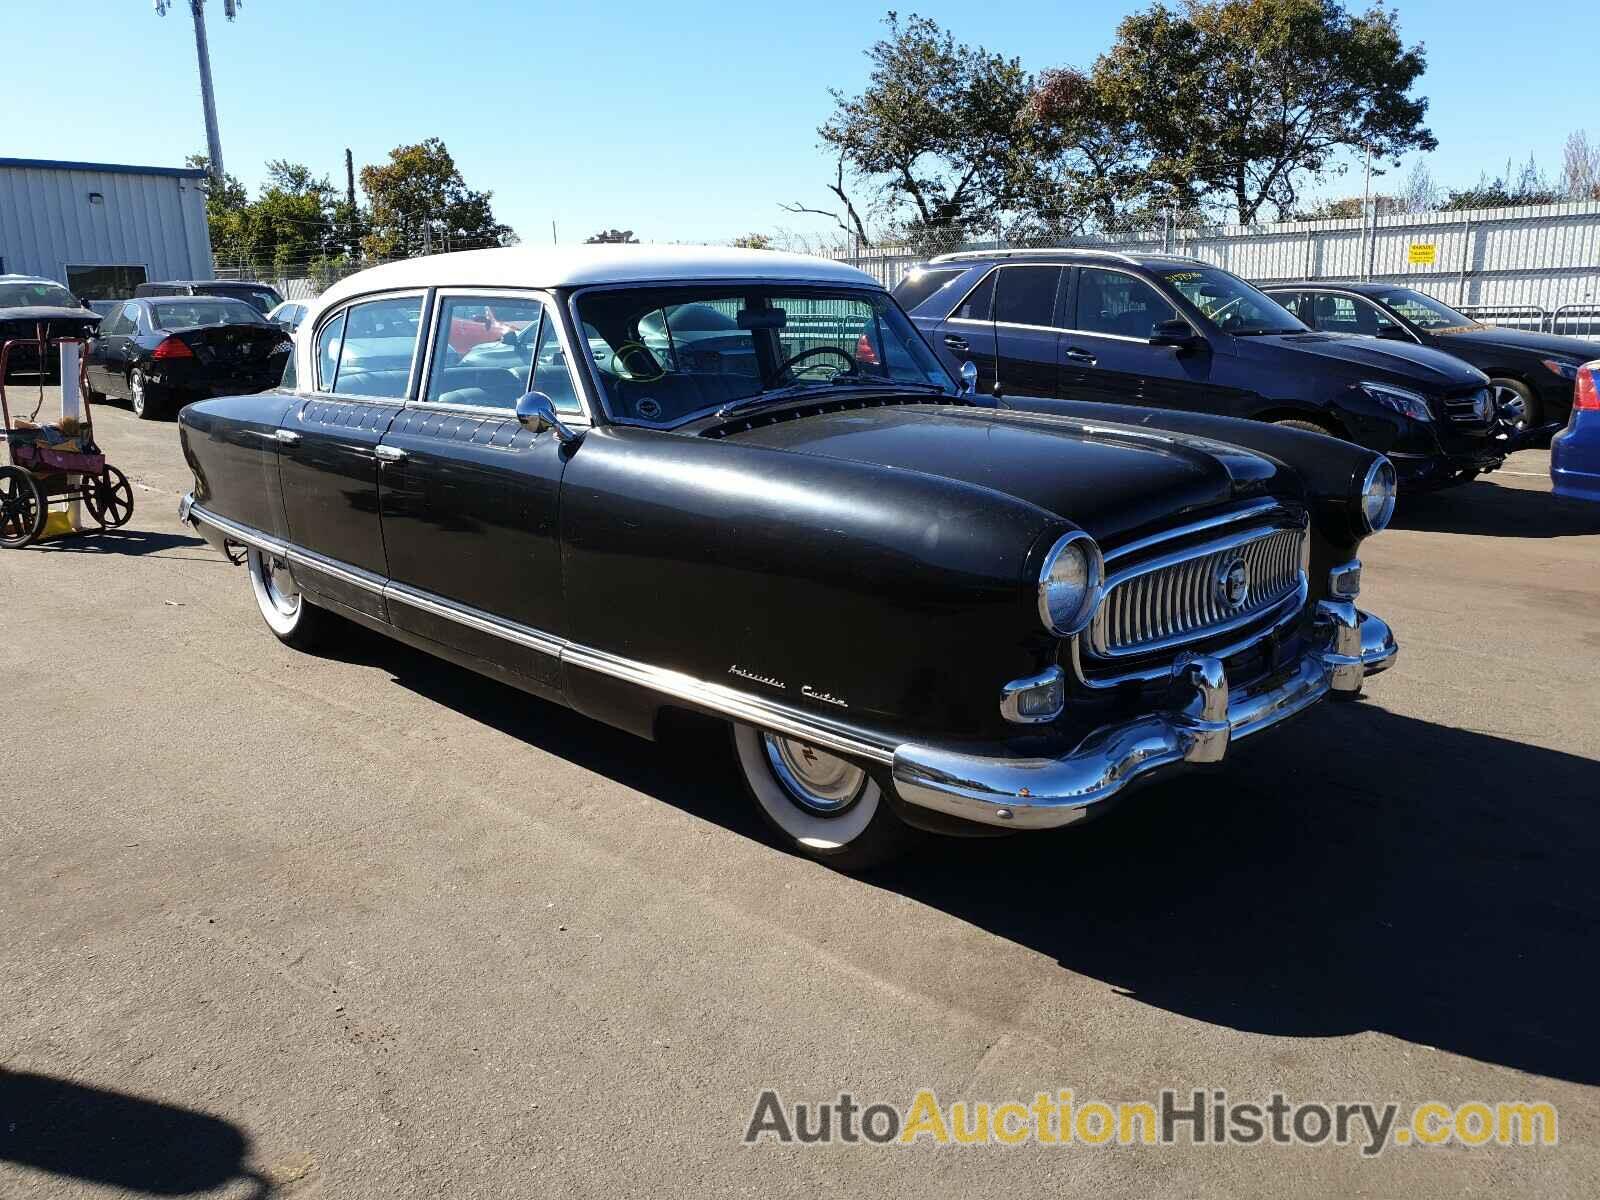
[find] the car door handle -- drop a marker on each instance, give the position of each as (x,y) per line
(389,454)
(958,344)
(288,437)
(1079,356)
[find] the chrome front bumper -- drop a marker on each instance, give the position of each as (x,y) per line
(1039,793)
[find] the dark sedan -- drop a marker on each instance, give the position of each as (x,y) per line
(28,304)
(161,354)
(1532,373)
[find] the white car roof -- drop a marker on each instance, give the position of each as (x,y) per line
(575,266)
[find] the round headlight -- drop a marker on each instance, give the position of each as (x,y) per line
(1069,584)
(1378,494)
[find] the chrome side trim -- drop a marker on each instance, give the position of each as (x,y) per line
(755,710)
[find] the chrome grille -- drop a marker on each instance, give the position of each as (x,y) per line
(1184,596)
(1475,408)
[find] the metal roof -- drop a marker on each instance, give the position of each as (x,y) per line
(54,164)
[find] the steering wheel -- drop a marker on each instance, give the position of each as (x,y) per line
(786,367)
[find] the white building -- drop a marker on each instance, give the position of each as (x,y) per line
(101,228)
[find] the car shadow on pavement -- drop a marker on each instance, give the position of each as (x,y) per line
(115,1140)
(1487,508)
(124,541)
(1357,870)
(1362,870)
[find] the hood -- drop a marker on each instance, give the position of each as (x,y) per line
(1110,480)
(46,312)
(1366,357)
(1522,339)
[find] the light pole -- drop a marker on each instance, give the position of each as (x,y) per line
(202,52)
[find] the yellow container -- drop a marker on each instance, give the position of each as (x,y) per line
(58,523)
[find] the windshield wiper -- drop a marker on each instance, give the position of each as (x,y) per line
(777,395)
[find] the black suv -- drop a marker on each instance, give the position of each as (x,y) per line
(1532,374)
(1167,332)
(259,296)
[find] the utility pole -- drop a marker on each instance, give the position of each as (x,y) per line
(208,99)
(1367,221)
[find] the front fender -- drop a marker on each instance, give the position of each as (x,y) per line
(852,591)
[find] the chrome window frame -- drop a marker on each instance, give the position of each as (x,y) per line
(1384,310)
(549,300)
(992,322)
(596,391)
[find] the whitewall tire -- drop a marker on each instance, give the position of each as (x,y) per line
(822,805)
(295,621)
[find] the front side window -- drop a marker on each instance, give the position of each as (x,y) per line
(483,350)
(1026,295)
(551,373)
(380,340)
(1424,311)
(1230,303)
(664,354)
(1113,302)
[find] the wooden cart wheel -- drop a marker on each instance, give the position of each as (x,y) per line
(22,508)
(108,497)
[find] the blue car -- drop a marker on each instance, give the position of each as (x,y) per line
(1575,451)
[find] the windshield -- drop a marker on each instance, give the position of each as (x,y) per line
(36,295)
(1232,304)
(663,354)
(202,310)
(1424,311)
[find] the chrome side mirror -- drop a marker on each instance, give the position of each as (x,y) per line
(537,412)
(969,378)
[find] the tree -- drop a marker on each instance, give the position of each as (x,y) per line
(1514,189)
(1580,169)
(1247,99)
(1087,136)
(935,133)
(1419,193)
(419,202)
(754,241)
(612,236)
(226,203)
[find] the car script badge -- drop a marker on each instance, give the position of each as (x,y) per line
(1233,583)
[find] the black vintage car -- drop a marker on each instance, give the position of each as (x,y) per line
(1532,373)
(1153,329)
(160,354)
(914,610)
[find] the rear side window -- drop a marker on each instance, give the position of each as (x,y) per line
(916,288)
(978,304)
(1118,304)
(328,341)
(380,340)
(1026,295)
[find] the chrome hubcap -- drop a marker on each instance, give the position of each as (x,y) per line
(815,779)
(278,586)
(136,391)
(1511,406)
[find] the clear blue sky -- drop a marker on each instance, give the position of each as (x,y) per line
(679,120)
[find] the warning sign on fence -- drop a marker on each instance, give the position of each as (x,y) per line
(1423,252)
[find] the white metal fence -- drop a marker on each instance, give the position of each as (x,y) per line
(1536,267)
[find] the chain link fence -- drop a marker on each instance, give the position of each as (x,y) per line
(1533,268)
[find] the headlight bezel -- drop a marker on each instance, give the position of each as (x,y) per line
(1409,404)
(1381,469)
(1094,586)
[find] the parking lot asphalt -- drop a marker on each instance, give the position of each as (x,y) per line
(368,925)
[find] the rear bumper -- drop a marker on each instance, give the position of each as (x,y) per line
(1039,793)
(1575,458)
